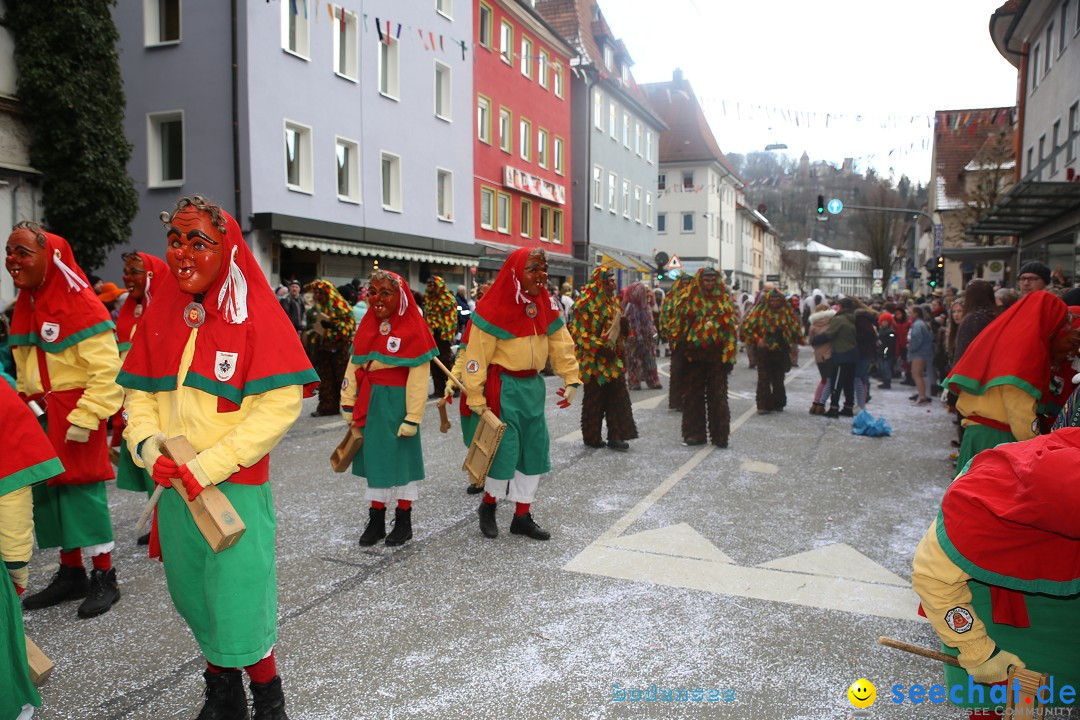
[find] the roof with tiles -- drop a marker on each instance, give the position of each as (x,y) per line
(958,138)
(689,137)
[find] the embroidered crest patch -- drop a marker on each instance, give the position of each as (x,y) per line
(959,620)
(472,366)
(50,331)
(224,365)
(345,383)
(393,344)
(530,310)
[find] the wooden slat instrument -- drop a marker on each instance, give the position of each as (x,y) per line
(40,665)
(485,442)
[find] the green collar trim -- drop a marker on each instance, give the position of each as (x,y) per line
(491,329)
(974,387)
(37,341)
(556,324)
(395,361)
(145,383)
(30,475)
(123,347)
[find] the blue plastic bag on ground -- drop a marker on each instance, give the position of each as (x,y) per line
(865,424)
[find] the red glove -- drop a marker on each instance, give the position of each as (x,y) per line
(193,486)
(164,470)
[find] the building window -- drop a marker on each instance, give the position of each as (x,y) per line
(1031,159)
(1074,125)
(526,217)
(506,132)
(613,120)
(557,79)
(661,181)
(526,57)
(556,226)
(648,146)
(688,222)
(688,180)
(525,140)
(626,199)
(1063,36)
(648,209)
(661,223)
(487,208)
(347,161)
(1049,46)
(1055,133)
(545,223)
(609,57)
(598,110)
(542,147)
(295,29)
(502,219)
(445,7)
(444,194)
(483,119)
(165,149)
(1035,67)
(506,42)
(637,203)
(388,67)
(1042,149)
(597,186)
(637,138)
(298,158)
(161,22)
(626,130)
(558,150)
(612,184)
(345,34)
(483,32)
(391,182)
(442,91)
(542,68)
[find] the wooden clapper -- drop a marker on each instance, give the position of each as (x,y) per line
(40,665)
(485,442)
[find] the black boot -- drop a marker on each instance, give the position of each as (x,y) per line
(402,528)
(69,583)
(102,593)
(376,527)
(225,696)
(847,412)
(524,525)
(832,412)
(269,701)
(616,444)
(474,489)
(488,526)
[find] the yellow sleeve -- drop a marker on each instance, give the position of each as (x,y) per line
(563,360)
(142,411)
(348,385)
(416,392)
(459,364)
(942,586)
(1019,411)
(20,355)
(103,396)
(17,526)
(272,414)
(480,349)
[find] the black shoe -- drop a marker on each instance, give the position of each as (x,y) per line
(913,397)
(474,489)
(102,593)
(832,412)
(618,444)
(597,444)
(720,443)
(488,526)
(69,583)
(225,696)
(376,527)
(268,700)
(688,442)
(143,539)
(884,386)
(402,528)
(525,525)
(846,412)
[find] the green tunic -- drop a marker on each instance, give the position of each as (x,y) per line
(385,459)
(130,476)
(978,438)
(525,445)
(16,689)
(71,516)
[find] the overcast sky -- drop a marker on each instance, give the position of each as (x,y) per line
(779,71)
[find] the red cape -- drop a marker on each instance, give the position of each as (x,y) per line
(504,310)
(28,455)
(408,343)
(232,359)
(157,276)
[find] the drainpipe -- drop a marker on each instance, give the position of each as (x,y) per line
(236,117)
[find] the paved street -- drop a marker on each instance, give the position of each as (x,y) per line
(769,568)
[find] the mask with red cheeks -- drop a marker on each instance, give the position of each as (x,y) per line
(196,250)
(26,261)
(536,273)
(135,277)
(383,299)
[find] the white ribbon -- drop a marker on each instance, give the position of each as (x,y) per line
(520,297)
(146,293)
(403,298)
(232,300)
(75,283)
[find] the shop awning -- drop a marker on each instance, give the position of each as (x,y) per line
(1026,207)
(621,259)
(342,247)
(980,254)
(497,252)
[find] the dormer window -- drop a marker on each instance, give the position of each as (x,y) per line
(609,57)
(625,72)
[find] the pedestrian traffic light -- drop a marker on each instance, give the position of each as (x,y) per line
(820,204)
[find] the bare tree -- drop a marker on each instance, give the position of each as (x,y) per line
(879,230)
(987,177)
(796,261)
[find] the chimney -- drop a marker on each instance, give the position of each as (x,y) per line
(676,76)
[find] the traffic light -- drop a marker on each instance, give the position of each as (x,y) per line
(941,264)
(820,204)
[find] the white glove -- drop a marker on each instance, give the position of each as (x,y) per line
(77,434)
(406,430)
(996,669)
(151,450)
(346,415)
(20,576)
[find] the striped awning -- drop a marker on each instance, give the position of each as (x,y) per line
(343,247)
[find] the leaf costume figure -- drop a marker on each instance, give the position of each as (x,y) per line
(773,329)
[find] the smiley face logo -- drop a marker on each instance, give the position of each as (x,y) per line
(862,693)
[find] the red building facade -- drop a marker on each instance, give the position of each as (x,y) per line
(522,131)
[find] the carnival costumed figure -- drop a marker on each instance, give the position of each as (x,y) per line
(671,331)
(28,458)
(441,314)
(516,328)
(707,324)
(384,395)
(641,343)
(66,355)
(998,572)
(217,361)
(774,330)
(600,346)
(998,392)
(335,325)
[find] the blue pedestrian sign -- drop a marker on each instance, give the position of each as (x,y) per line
(835,206)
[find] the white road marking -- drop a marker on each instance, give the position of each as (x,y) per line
(756,466)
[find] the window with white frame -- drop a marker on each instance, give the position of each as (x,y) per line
(542,147)
(483,119)
(526,56)
(161,22)
(1055,132)
(391,182)
(1074,126)
(688,181)
(598,110)
(442,91)
(445,7)
(165,149)
(542,68)
(648,146)
(502,219)
(484,20)
(295,29)
(612,189)
(609,57)
(626,130)
(526,217)
(345,47)
(637,203)
(626,199)
(661,181)
(298,157)
(487,208)
(597,186)
(637,138)
(661,223)
(444,194)
(688,222)
(347,160)
(506,130)
(1049,46)
(1035,71)
(1064,20)
(557,149)
(525,139)
(613,121)
(648,209)
(506,42)
(557,80)
(389,50)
